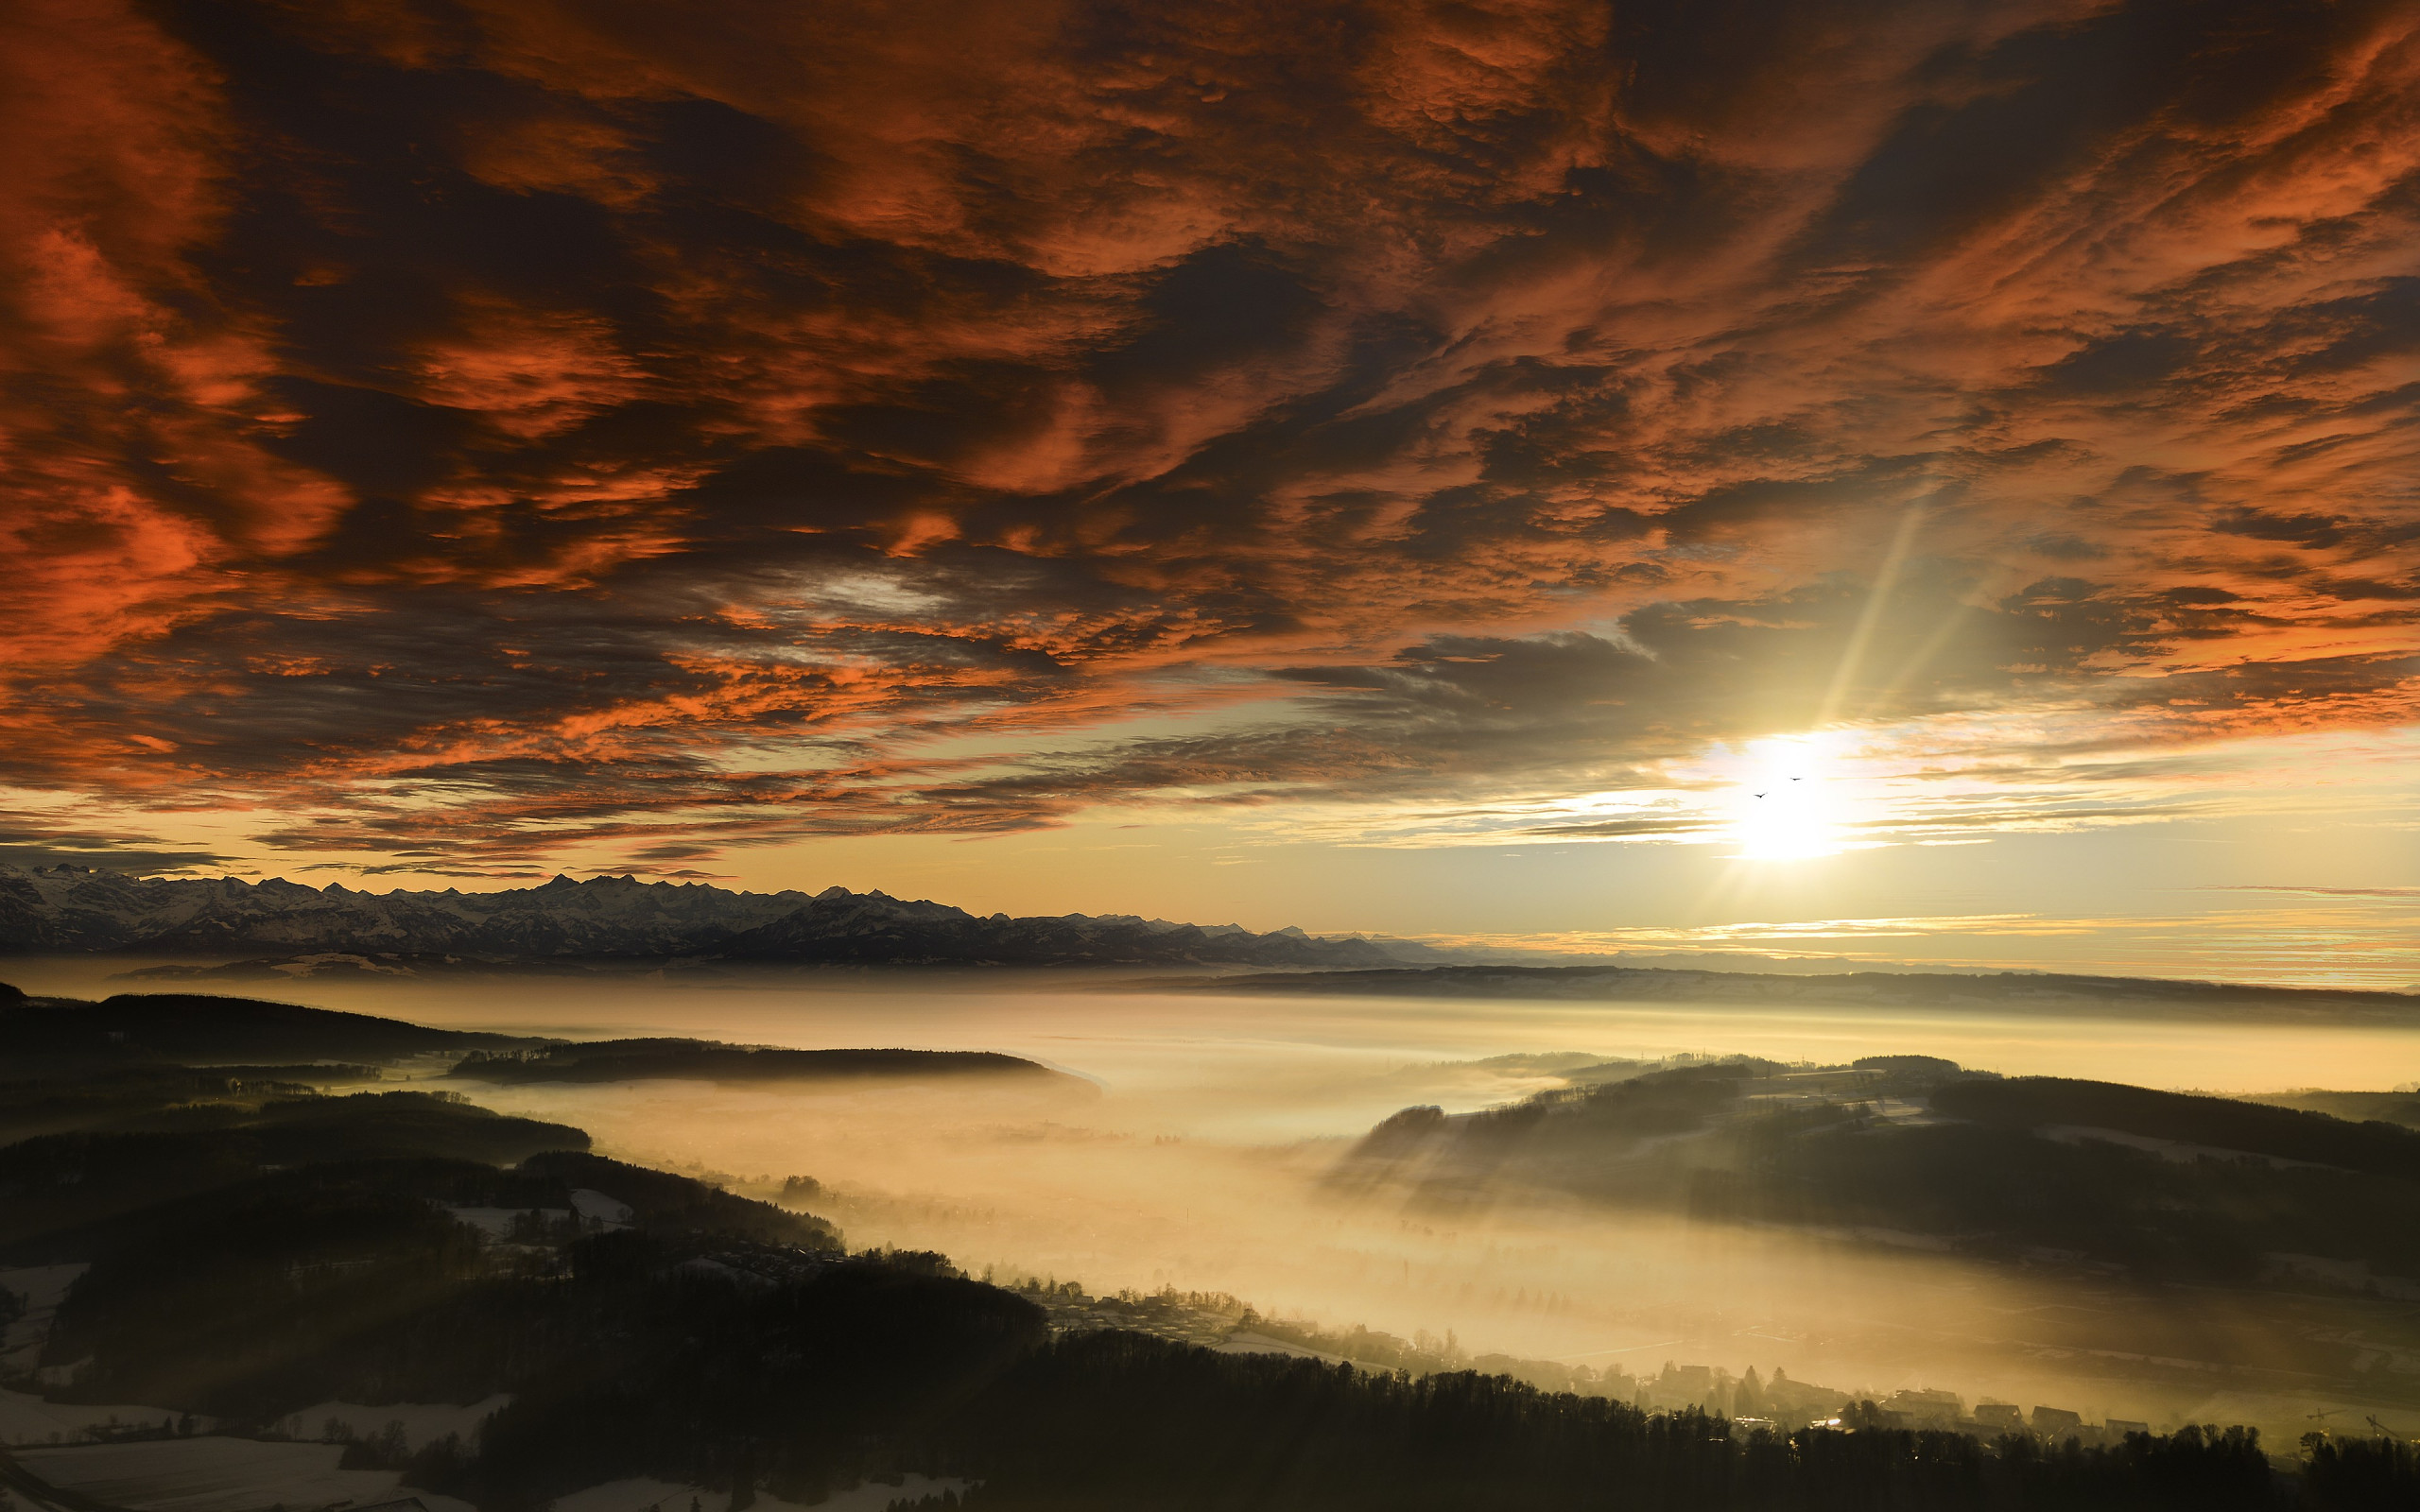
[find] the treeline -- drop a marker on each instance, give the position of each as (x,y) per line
(646,1366)
(1110,1420)
(607,1060)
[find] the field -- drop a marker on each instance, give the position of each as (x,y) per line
(209,1474)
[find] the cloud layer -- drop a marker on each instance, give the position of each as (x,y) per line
(456,431)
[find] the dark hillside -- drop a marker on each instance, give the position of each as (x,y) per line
(2028,993)
(54,1105)
(62,1194)
(2401,1108)
(2225,1123)
(2031,1166)
(708,1060)
(665,1203)
(64,1035)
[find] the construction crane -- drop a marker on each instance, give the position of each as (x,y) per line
(2383,1428)
(2323,1414)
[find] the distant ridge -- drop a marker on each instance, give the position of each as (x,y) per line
(69,910)
(603,1060)
(2039,991)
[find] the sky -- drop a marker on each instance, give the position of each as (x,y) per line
(1911,480)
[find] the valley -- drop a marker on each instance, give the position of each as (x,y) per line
(1683,1231)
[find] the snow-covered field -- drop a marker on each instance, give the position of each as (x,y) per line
(218,1475)
(597,1207)
(423,1422)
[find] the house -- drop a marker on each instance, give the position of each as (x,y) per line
(2057,1422)
(1926,1409)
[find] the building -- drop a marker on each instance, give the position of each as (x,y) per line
(2057,1422)
(1926,1409)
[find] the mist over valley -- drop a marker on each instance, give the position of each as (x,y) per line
(1869,1195)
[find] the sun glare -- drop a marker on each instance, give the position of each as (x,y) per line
(1785,809)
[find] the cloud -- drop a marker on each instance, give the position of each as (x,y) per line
(488,427)
(36,844)
(2375,894)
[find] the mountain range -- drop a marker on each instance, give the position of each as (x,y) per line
(71,910)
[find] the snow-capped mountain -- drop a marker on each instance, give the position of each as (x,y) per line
(66,910)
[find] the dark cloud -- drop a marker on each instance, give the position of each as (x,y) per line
(60,843)
(597,414)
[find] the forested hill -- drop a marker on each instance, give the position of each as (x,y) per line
(142,1035)
(2169,1188)
(71,910)
(44,1036)
(606,1060)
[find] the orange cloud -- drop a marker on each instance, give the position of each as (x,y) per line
(602,415)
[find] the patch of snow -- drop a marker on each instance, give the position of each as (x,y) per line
(2350,1275)
(423,1422)
(2177,1150)
(640,1496)
(872,1495)
(598,1208)
(1244,1341)
(1907,1112)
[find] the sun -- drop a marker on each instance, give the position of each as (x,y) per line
(1785,809)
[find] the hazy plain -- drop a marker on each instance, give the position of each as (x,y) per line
(1194,1159)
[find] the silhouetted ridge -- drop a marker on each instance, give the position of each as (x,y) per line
(708,1060)
(2039,991)
(50,1035)
(66,909)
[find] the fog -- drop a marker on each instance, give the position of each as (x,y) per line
(1192,1159)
